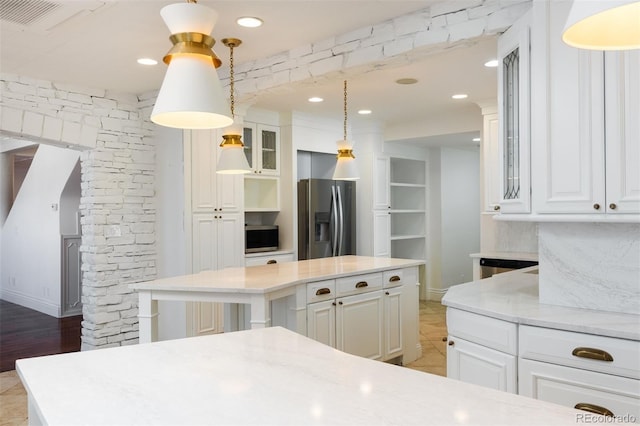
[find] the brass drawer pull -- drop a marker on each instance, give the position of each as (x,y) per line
(394,279)
(592,353)
(271,262)
(596,409)
(322,291)
(362,284)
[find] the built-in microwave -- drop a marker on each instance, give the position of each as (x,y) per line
(259,238)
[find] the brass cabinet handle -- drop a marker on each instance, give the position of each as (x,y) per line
(394,279)
(322,291)
(613,206)
(451,343)
(496,208)
(596,409)
(596,206)
(340,302)
(334,303)
(271,262)
(362,284)
(592,353)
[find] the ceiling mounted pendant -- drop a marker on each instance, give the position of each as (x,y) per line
(232,159)
(346,168)
(191,95)
(603,25)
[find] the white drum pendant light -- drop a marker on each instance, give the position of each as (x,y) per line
(232,159)
(603,25)
(191,95)
(346,168)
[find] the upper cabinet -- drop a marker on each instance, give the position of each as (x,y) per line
(586,128)
(514,112)
(262,148)
(585,133)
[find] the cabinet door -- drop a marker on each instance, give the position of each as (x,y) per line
(490,165)
(230,240)
(480,365)
(381,181)
(203,169)
(392,322)
(622,74)
(268,150)
(567,118)
(514,112)
(359,324)
(580,389)
(321,322)
(381,233)
(249,142)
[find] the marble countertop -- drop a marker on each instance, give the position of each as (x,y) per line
(513,296)
(267,278)
(508,255)
(266,376)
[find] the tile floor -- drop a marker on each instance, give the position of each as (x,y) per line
(433,328)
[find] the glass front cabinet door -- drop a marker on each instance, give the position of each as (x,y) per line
(262,148)
(514,117)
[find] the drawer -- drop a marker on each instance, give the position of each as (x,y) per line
(582,389)
(265,260)
(490,332)
(563,348)
(321,290)
(359,284)
(393,278)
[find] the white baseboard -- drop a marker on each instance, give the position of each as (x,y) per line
(436,294)
(43,306)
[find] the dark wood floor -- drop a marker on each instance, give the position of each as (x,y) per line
(25,333)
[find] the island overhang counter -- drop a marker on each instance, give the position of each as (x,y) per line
(258,286)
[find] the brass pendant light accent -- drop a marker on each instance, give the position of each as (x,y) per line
(345,165)
(232,158)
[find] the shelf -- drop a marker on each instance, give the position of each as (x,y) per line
(407,237)
(407,185)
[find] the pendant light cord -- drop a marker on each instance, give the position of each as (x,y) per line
(345,110)
(231,81)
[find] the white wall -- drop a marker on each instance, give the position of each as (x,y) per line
(460,204)
(70,204)
(454,223)
(170,232)
(31,233)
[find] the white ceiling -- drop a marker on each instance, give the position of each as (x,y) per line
(96,44)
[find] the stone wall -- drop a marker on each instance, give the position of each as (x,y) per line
(117,204)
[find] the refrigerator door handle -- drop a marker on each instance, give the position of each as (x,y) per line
(341,214)
(334,242)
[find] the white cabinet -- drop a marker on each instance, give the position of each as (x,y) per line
(482,350)
(382,233)
(381,178)
(513,110)
(594,373)
(214,221)
(372,315)
(262,148)
(585,106)
(490,166)
(267,258)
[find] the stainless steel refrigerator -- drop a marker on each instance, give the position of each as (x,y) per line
(326,218)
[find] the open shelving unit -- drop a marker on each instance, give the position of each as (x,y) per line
(408,208)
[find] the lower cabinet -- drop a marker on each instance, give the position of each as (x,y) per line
(481,366)
(267,258)
(368,323)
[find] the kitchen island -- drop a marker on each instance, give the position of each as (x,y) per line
(304,284)
(263,376)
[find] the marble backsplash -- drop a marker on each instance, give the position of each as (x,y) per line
(590,265)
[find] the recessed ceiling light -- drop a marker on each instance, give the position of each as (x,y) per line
(147,61)
(315,99)
(364,111)
(249,21)
(406,81)
(459,96)
(491,64)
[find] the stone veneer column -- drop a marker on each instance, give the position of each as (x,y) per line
(117,202)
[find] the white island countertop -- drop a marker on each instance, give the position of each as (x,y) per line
(513,297)
(267,278)
(269,376)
